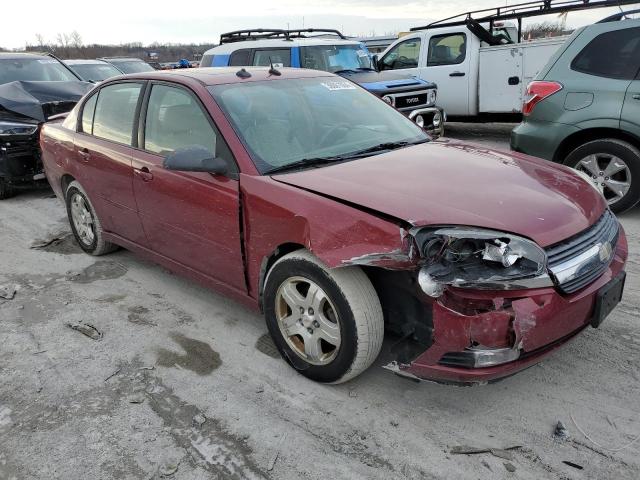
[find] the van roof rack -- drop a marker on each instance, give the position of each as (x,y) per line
(267,34)
(522,10)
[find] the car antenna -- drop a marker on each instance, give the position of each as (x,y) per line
(242,73)
(272,70)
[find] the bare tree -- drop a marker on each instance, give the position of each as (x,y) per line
(40,41)
(76,39)
(543,30)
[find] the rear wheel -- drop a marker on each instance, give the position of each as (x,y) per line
(614,167)
(84,222)
(327,324)
(6,191)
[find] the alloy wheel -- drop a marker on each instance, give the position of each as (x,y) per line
(610,175)
(82,219)
(308,320)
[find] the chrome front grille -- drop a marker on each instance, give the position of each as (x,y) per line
(581,259)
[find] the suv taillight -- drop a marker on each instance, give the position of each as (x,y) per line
(538,91)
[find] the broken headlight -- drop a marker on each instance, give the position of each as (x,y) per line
(475,258)
(16,128)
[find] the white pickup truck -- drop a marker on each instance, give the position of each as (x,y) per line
(473,77)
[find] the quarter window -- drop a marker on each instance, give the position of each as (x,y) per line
(115,112)
(447,49)
(240,58)
(87,114)
(403,55)
(601,59)
(175,120)
(280,57)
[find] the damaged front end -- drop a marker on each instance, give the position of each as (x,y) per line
(481,305)
(24,106)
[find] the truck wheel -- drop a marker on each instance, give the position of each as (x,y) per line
(6,191)
(327,324)
(614,167)
(84,222)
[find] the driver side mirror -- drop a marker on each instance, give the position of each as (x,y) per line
(375,61)
(195,158)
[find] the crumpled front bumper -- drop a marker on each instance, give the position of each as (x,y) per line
(20,163)
(535,322)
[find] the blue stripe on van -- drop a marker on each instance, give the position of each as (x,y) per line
(295,57)
(220,60)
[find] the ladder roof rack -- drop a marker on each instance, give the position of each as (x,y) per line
(523,10)
(267,34)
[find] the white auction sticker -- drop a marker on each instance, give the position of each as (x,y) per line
(338,85)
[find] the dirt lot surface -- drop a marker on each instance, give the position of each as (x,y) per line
(178,382)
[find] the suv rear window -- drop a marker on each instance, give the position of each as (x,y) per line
(612,54)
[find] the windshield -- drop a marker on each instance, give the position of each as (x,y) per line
(283,122)
(333,58)
(95,72)
(33,69)
(133,66)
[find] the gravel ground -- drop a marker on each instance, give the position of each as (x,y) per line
(184,384)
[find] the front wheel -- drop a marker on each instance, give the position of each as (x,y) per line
(327,324)
(614,168)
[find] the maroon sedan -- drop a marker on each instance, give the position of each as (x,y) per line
(302,195)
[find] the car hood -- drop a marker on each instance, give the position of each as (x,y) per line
(39,100)
(380,81)
(453,183)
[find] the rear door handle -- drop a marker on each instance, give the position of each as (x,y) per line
(144,174)
(457,74)
(636,96)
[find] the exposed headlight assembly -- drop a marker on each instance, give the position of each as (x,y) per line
(467,257)
(16,128)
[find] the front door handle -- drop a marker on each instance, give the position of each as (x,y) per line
(144,174)
(457,74)
(84,154)
(636,96)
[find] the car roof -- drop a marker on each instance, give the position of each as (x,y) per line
(222,75)
(84,61)
(18,55)
(280,43)
(121,59)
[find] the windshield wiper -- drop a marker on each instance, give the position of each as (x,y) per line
(305,162)
(317,161)
(381,147)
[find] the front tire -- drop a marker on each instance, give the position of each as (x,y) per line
(327,324)
(84,222)
(614,167)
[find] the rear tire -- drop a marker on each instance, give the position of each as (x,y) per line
(85,224)
(6,190)
(621,185)
(344,296)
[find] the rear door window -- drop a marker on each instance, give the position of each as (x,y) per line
(612,54)
(280,57)
(447,50)
(115,112)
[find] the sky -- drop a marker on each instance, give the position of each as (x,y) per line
(198,21)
